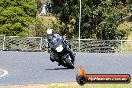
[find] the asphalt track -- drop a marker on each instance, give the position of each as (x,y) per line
(35,67)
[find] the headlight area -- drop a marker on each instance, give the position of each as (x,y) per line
(59,48)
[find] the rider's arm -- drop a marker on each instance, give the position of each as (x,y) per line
(58,36)
(65,41)
(46,44)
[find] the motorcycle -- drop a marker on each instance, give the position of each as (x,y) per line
(62,53)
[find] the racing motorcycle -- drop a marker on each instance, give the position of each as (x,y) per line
(62,53)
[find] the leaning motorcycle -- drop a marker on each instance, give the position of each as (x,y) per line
(62,53)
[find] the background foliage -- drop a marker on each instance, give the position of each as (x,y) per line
(101,19)
(40,25)
(16,16)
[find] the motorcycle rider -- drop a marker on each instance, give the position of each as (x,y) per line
(50,37)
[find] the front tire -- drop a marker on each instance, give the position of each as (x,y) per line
(69,63)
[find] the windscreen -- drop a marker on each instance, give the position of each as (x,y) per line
(56,42)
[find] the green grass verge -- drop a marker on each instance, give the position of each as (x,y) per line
(90,86)
(68,85)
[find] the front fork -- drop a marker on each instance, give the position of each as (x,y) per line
(72,58)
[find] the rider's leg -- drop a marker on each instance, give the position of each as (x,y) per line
(52,57)
(68,44)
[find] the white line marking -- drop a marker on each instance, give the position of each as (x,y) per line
(5,72)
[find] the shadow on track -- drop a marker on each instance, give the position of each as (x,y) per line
(58,69)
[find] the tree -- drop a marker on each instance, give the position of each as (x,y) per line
(67,13)
(16,16)
(99,18)
(41,24)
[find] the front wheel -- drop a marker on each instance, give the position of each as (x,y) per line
(69,63)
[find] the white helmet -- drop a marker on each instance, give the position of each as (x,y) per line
(49,31)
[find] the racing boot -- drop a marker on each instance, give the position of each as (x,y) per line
(52,59)
(59,63)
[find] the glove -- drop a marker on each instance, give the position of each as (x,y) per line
(46,49)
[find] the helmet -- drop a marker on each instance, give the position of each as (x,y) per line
(49,34)
(49,31)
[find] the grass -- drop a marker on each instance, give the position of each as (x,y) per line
(130,36)
(70,85)
(127,46)
(125,25)
(90,86)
